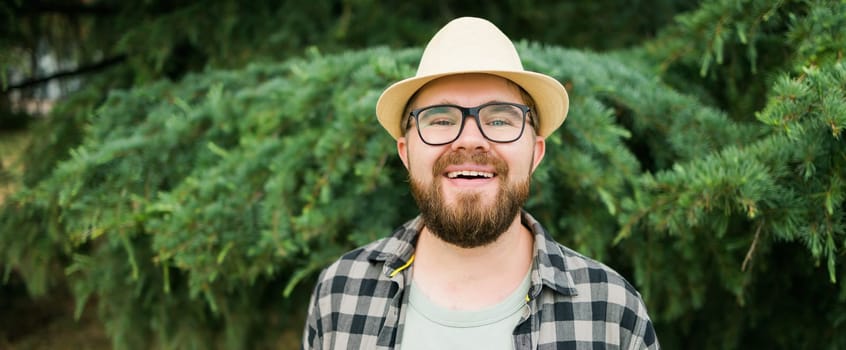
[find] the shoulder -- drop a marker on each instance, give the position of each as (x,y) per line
(352,301)
(572,274)
(604,296)
(589,274)
(367,267)
(354,267)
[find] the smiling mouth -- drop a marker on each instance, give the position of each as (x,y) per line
(468,174)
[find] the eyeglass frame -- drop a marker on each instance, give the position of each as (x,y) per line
(471,112)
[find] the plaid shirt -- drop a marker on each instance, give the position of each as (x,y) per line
(574,302)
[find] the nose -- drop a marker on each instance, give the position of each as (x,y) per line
(471,137)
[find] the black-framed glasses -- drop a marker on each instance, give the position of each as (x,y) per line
(500,122)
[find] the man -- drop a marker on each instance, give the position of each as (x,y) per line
(473,271)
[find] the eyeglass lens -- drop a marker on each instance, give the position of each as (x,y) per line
(498,122)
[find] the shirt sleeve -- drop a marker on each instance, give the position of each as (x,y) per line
(644,337)
(312,334)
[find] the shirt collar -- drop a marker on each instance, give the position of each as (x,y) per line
(549,267)
(396,250)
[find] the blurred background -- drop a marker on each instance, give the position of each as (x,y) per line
(174,174)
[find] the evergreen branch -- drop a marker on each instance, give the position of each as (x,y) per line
(748,259)
(627,228)
(67,73)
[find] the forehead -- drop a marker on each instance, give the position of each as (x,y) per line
(467,90)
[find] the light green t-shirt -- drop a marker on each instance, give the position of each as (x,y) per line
(432,327)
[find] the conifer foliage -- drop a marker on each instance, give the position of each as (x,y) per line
(196,213)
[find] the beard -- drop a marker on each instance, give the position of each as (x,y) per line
(468,223)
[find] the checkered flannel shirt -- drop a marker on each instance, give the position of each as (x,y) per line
(573,302)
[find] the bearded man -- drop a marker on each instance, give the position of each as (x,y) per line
(473,271)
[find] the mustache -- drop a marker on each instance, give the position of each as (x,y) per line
(465,157)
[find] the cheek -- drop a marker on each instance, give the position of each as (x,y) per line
(520,165)
(420,164)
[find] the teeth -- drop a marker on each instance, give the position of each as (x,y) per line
(454,174)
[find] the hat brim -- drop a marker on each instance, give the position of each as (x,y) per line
(549,95)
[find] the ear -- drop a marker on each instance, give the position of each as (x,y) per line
(402,150)
(540,149)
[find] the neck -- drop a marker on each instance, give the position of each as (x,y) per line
(471,278)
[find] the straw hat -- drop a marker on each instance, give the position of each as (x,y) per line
(474,45)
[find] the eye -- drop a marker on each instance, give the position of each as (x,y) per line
(441,122)
(443,116)
(500,122)
(501,115)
